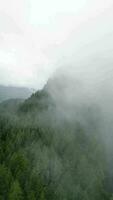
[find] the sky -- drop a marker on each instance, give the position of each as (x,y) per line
(39,36)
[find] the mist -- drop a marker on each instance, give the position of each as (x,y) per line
(68,47)
(56,144)
(36,41)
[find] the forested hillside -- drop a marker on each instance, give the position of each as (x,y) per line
(45,156)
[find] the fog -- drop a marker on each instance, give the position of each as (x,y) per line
(58,143)
(67,42)
(36,38)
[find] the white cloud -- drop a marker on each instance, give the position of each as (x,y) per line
(35,36)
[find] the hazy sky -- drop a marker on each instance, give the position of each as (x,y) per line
(38,36)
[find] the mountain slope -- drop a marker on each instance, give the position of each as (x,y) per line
(46,156)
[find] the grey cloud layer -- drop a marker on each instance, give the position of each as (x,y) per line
(34,41)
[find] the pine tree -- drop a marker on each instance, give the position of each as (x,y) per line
(15,191)
(5,181)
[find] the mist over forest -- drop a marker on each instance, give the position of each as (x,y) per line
(56,100)
(57,144)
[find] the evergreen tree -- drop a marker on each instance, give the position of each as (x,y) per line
(15,192)
(5,181)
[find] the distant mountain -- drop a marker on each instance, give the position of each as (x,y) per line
(9,92)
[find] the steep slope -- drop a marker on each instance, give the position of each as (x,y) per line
(46,156)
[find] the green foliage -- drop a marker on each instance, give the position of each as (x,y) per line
(15,192)
(31,196)
(18,164)
(5,181)
(111,197)
(44,157)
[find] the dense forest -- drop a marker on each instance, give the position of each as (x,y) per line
(46,156)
